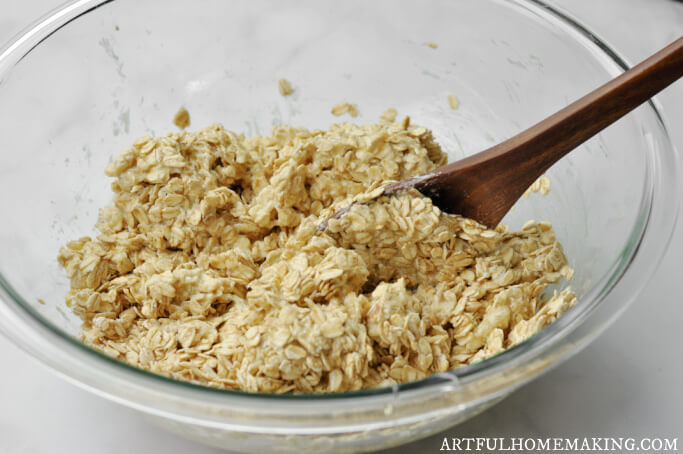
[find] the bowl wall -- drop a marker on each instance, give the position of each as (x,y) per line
(84,93)
(83,96)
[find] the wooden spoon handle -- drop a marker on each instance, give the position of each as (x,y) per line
(497,177)
(546,142)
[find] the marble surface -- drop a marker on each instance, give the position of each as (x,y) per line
(627,383)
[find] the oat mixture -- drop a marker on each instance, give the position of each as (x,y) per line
(209,266)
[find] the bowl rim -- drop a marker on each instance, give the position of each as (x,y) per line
(26,317)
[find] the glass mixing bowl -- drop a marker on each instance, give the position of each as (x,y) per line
(83,82)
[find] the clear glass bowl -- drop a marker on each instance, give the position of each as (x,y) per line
(82,83)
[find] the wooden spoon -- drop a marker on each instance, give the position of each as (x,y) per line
(484,186)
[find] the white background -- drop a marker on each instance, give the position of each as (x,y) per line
(627,383)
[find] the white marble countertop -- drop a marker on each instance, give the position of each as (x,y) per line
(627,383)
